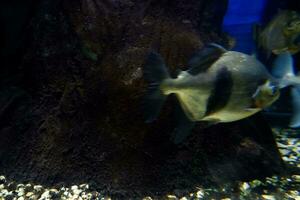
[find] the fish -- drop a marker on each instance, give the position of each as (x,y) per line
(281,34)
(219,86)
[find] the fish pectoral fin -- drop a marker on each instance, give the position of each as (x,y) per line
(283,66)
(204,58)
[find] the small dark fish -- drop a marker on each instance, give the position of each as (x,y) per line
(281,34)
(223,88)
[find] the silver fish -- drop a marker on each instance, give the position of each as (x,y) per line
(219,86)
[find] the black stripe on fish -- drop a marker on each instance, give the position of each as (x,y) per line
(221,92)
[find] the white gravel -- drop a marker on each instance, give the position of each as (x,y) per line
(272,188)
(12,191)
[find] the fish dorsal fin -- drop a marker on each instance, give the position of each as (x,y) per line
(283,66)
(204,58)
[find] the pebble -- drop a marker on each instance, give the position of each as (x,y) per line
(45,195)
(172,197)
(28,187)
(245,186)
(38,188)
(84,186)
(285,152)
(200,194)
(74,187)
(21,192)
(296,178)
(294,194)
(29,194)
(268,197)
(4,191)
(77,192)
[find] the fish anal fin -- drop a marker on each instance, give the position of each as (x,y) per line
(184,125)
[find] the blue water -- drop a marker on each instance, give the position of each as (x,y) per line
(239,20)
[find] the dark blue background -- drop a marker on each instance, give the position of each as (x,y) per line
(239,20)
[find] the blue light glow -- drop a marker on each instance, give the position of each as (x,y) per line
(239,20)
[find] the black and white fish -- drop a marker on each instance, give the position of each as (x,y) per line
(219,86)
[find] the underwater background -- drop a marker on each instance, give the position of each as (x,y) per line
(239,20)
(71,92)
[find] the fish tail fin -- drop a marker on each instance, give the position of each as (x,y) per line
(284,71)
(295,120)
(155,72)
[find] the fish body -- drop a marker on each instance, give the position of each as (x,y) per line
(223,93)
(223,88)
(281,34)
